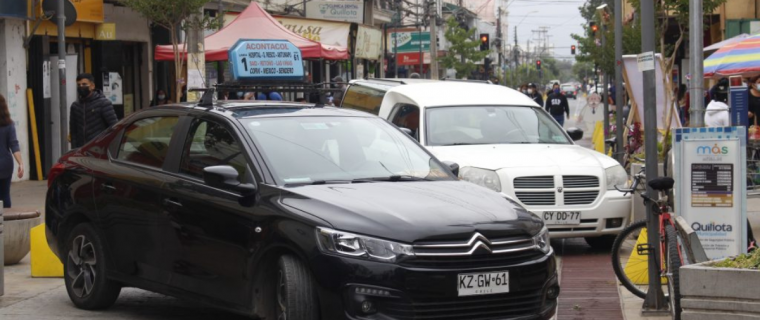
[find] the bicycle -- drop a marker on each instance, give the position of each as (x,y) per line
(631,266)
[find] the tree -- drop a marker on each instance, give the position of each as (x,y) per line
(463,52)
(175,15)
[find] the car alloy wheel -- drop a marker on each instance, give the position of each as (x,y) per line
(82,262)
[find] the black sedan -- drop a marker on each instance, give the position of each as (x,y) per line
(287,211)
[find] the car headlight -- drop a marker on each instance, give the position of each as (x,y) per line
(354,245)
(541,240)
(616,176)
(482,177)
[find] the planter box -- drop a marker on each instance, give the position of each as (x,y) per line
(638,209)
(16,231)
(709,293)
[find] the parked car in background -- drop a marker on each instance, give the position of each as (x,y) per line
(569,91)
(505,142)
(287,211)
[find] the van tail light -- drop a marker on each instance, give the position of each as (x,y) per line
(55,171)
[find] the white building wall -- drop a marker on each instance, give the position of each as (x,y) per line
(13,82)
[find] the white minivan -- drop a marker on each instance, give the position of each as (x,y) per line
(504,141)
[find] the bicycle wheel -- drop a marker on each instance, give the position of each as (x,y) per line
(673,266)
(630,268)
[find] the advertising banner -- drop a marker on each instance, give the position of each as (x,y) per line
(266,60)
(325,32)
(413,58)
(711,188)
(349,11)
(738,100)
(112,87)
(409,41)
(369,43)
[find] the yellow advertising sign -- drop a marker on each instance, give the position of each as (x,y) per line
(105,31)
(86,10)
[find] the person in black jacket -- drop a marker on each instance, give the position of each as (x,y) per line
(91,114)
(535,95)
(556,104)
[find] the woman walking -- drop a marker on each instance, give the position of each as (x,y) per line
(9,149)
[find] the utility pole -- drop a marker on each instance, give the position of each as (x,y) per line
(62,78)
(696,87)
(619,100)
(655,299)
(606,96)
(433,39)
(498,34)
(419,36)
(516,58)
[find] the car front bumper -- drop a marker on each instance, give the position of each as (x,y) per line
(356,289)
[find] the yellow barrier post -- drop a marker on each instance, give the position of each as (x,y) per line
(35,137)
(45,264)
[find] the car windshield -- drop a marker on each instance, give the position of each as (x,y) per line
(568,88)
(470,125)
(318,150)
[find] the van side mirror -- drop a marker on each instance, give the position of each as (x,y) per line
(226,177)
(453,166)
(407,131)
(575,133)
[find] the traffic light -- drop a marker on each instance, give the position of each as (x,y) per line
(572,49)
(484,42)
(593,27)
(538,64)
(487,64)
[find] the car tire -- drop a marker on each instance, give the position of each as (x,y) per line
(84,270)
(296,296)
(602,243)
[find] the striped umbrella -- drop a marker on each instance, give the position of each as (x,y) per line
(741,58)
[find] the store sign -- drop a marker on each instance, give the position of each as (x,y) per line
(711,191)
(13,9)
(413,58)
(325,32)
(368,43)
(408,41)
(349,11)
(105,32)
(266,60)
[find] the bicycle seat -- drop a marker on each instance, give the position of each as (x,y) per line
(611,141)
(662,184)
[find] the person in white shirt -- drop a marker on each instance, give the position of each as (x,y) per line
(717,113)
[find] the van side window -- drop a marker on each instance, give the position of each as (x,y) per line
(407,116)
(363,99)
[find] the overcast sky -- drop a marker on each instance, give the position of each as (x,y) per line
(561,17)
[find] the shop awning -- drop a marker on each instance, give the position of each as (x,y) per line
(255,23)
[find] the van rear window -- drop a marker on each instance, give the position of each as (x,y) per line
(363,99)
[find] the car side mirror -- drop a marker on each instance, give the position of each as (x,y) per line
(226,177)
(453,166)
(575,133)
(408,132)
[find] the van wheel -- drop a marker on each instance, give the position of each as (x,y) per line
(602,243)
(84,270)
(296,297)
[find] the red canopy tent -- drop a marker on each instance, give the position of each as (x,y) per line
(255,23)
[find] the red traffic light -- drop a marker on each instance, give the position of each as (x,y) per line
(594,28)
(538,62)
(483,38)
(572,47)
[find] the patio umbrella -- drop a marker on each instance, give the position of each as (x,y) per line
(715,46)
(740,58)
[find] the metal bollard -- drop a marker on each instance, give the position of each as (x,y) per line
(2,253)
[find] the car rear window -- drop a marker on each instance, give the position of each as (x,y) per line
(363,98)
(568,88)
(146,141)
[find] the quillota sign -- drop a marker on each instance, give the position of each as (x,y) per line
(266,60)
(711,187)
(349,11)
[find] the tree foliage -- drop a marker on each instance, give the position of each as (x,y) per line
(463,52)
(175,15)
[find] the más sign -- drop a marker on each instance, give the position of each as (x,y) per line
(351,11)
(266,60)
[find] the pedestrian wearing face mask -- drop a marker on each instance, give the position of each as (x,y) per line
(535,95)
(556,104)
(91,114)
(524,88)
(160,98)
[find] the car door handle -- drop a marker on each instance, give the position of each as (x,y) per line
(172,202)
(107,187)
